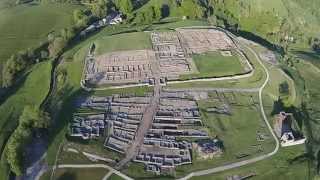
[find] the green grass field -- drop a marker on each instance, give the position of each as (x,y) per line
(213,64)
(80,174)
(32,92)
(264,18)
(25,26)
(115,177)
(238,131)
(256,80)
(122,42)
(138,91)
(288,163)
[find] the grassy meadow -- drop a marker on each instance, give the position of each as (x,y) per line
(213,64)
(122,42)
(26,26)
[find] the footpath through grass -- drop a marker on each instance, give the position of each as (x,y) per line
(32,92)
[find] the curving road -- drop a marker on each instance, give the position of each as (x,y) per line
(256,159)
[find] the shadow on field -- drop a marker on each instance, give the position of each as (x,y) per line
(67,176)
(6,93)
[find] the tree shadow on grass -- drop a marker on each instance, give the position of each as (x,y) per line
(67,176)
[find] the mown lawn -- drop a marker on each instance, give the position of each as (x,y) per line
(122,42)
(213,64)
(32,92)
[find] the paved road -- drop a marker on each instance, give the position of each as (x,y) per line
(249,161)
(95,166)
(147,117)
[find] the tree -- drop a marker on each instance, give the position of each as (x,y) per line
(99,9)
(157,12)
(14,65)
(192,9)
(80,18)
(31,118)
(56,46)
(284,88)
(125,6)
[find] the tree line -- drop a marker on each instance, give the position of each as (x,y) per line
(30,121)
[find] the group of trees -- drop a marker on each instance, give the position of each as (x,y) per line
(148,15)
(18,62)
(30,120)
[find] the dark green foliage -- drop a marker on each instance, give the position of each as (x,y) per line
(30,119)
(14,65)
(192,9)
(99,9)
(80,18)
(125,6)
(315,44)
(56,46)
(284,88)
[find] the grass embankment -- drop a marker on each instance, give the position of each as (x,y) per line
(32,92)
(26,26)
(172,23)
(213,64)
